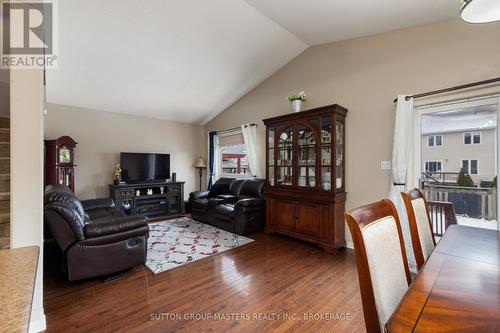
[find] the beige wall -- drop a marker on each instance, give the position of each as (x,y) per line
(365,75)
(26,98)
(453,151)
(101,136)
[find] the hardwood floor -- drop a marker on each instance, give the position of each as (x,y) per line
(273,276)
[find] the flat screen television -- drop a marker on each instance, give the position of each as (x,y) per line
(144,167)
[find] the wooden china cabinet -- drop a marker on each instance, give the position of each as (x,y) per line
(305,169)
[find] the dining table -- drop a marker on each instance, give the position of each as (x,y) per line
(457,289)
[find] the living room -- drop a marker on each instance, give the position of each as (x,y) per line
(193,166)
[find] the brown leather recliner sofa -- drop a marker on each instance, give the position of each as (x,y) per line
(235,205)
(96,238)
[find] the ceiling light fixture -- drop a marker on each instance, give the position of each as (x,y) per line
(480,11)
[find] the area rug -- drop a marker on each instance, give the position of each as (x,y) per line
(174,243)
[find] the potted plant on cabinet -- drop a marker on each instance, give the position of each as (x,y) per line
(296,99)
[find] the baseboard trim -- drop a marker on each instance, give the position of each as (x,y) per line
(349,245)
(39,325)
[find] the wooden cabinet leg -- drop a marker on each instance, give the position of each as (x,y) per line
(331,249)
(268,231)
(328,249)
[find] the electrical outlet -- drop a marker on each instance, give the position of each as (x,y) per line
(385,165)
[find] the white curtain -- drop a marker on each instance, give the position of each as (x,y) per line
(250,137)
(402,165)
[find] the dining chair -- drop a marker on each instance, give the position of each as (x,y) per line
(381,260)
(422,237)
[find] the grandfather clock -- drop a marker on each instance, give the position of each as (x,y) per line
(60,162)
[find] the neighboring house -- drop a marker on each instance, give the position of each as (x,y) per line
(462,140)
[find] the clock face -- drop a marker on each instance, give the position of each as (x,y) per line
(64,155)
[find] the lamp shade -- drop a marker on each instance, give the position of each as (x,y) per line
(480,11)
(200,163)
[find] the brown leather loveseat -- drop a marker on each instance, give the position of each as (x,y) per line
(96,239)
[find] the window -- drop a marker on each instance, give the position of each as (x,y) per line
(434,140)
(472,138)
(471,166)
(234,160)
(433,166)
(232,156)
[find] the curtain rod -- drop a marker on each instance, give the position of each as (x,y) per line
(441,91)
(234,129)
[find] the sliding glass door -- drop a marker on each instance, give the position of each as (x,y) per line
(456,158)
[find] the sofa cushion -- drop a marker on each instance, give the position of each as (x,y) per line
(252,188)
(225,211)
(227,199)
(218,189)
(221,186)
(236,187)
(97,203)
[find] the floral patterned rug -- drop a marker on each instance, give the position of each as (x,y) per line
(180,241)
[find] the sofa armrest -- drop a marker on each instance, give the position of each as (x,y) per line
(250,203)
(118,237)
(98,203)
(249,216)
(114,225)
(198,195)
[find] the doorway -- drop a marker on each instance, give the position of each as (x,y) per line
(456,158)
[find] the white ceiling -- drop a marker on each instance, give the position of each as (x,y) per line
(188,60)
(325,21)
(182,60)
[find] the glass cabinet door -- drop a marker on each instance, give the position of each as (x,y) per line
(339,154)
(174,204)
(270,155)
(326,153)
(285,158)
(306,141)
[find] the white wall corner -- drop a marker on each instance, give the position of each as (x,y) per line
(38,324)
(26,229)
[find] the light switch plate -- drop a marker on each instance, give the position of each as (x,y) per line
(385,165)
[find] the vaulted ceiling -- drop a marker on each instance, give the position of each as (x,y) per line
(188,60)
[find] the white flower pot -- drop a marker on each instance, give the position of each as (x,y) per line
(296,105)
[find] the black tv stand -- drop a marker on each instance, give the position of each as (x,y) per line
(154,199)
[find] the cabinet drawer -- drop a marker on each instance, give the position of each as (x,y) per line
(126,193)
(174,189)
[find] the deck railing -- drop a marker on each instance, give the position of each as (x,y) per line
(473,202)
(439,177)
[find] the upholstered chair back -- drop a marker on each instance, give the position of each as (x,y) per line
(381,259)
(420,225)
